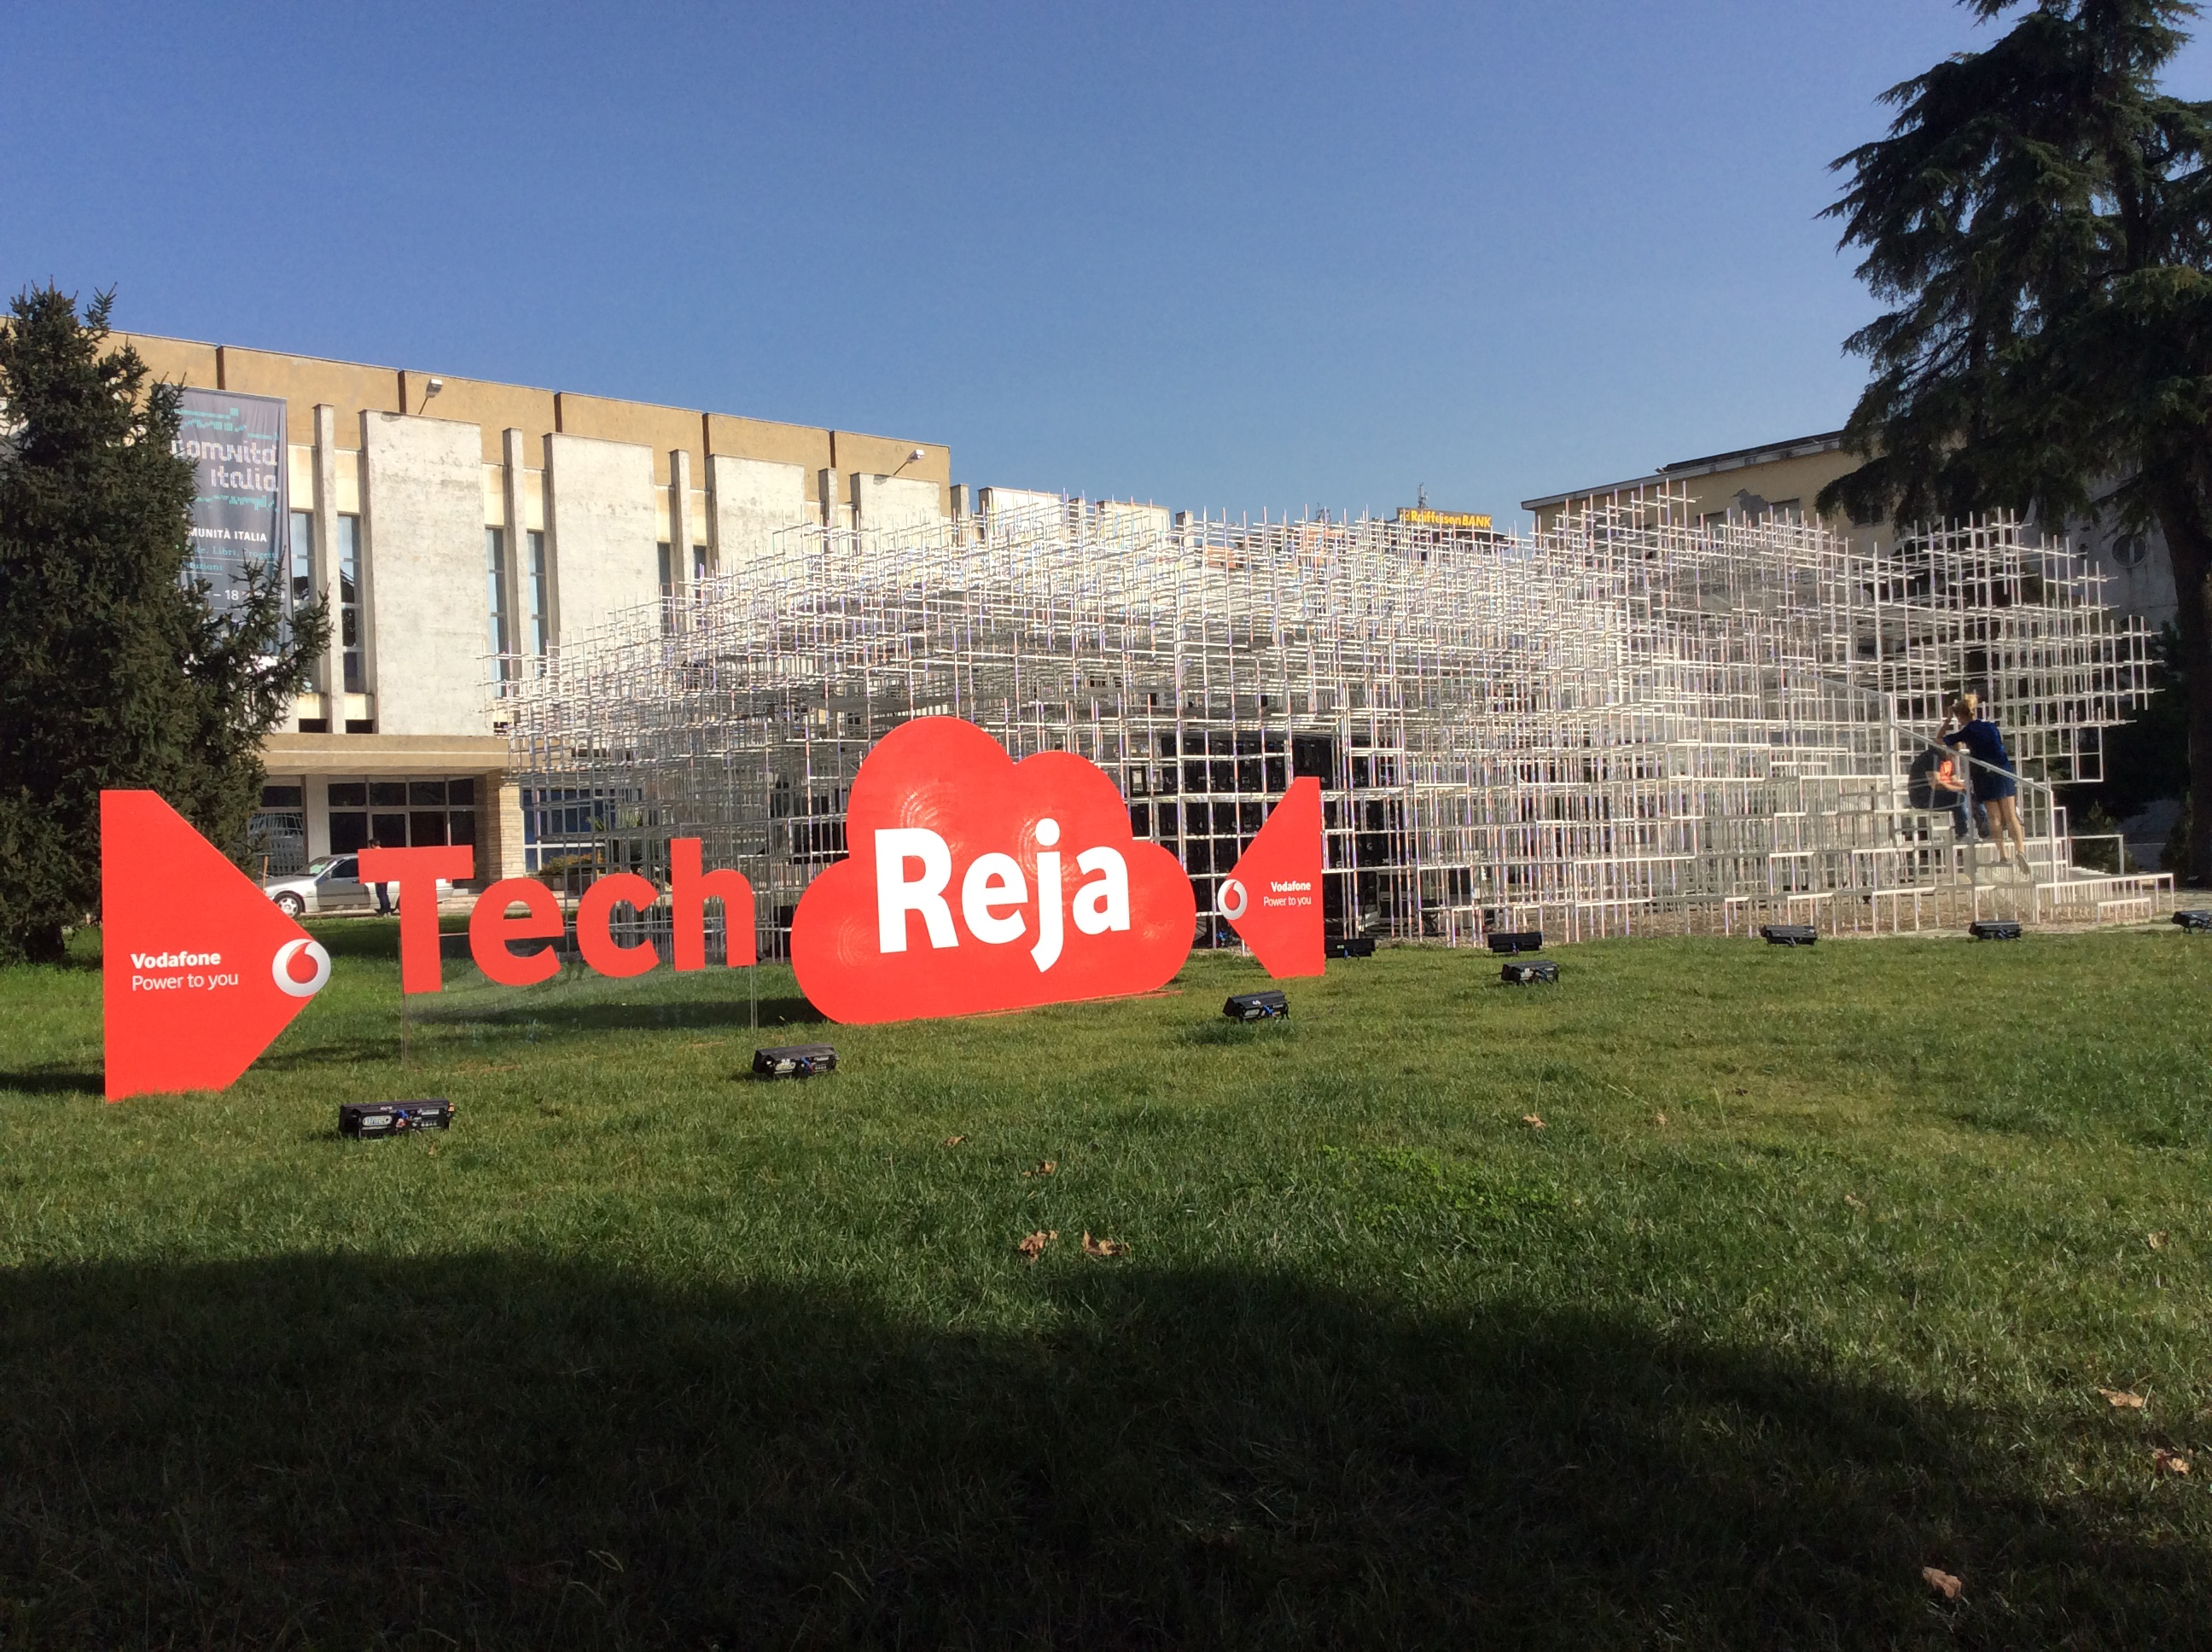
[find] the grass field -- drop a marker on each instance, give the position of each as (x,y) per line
(1809,1280)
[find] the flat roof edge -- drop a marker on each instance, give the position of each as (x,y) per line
(1550,500)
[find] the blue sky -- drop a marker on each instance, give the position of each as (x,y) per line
(1244,257)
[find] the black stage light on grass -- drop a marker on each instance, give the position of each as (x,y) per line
(394,1117)
(1521,940)
(1527,975)
(1350,946)
(1790,934)
(794,1061)
(1995,929)
(2196,919)
(1256,1006)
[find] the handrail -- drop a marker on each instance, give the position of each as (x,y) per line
(2043,791)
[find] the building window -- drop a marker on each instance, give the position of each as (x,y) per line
(348,802)
(564,826)
(300,589)
(2129,550)
(303,558)
(350,602)
(495,592)
(277,832)
(535,587)
(402,814)
(702,567)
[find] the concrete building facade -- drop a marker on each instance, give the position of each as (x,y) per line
(1784,479)
(450,523)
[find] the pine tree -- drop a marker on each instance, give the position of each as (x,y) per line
(115,671)
(2041,215)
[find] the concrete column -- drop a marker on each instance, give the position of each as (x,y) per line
(422,487)
(681,527)
(714,556)
(330,671)
(887,504)
(749,502)
(499,829)
(600,531)
(364,574)
(514,461)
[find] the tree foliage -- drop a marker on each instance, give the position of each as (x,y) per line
(2039,217)
(115,671)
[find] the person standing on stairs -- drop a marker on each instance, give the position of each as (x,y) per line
(1990,773)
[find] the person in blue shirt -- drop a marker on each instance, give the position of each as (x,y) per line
(1990,773)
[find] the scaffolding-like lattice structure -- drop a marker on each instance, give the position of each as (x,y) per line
(1630,722)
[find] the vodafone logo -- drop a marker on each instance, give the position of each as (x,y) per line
(1283,862)
(281,966)
(188,1005)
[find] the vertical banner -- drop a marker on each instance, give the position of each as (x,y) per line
(241,515)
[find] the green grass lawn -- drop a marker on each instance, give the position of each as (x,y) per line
(1809,1280)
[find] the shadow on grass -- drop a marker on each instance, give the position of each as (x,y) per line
(54,1081)
(502,1452)
(558,1015)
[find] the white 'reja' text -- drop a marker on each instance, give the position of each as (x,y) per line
(990,884)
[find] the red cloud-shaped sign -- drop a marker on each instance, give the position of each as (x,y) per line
(974,884)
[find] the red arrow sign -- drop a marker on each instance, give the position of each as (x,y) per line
(199,969)
(1273,898)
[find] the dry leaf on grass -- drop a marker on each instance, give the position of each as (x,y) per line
(2169,1462)
(1943,1583)
(1658,1118)
(1033,1247)
(1104,1246)
(1855,1201)
(1045,1167)
(954,1141)
(2122,1400)
(1532,1120)
(2158,1240)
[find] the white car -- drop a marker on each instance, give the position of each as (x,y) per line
(331,884)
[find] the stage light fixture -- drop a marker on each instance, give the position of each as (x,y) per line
(1256,1006)
(794,1061)
(1520,940)
(1995,929)
(1790,934)
(394,1117)
(1350,946)
(2196,919)
(1528,974)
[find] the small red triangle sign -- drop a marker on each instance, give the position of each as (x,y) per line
(200,970)
(1273,898)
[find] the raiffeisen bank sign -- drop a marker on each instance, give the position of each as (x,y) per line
(974,884)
